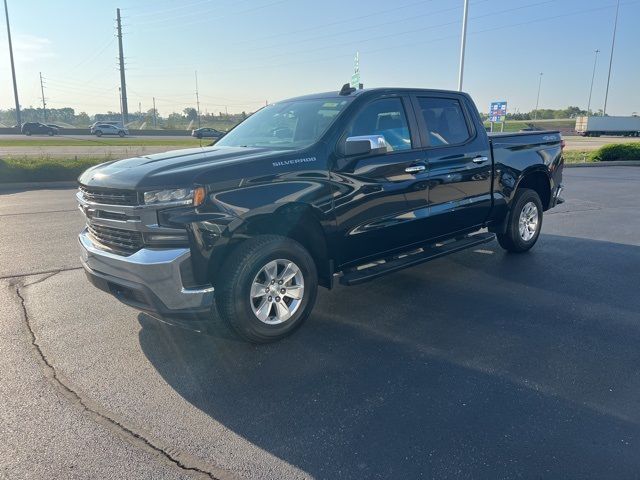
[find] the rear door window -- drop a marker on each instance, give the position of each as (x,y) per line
(445,121)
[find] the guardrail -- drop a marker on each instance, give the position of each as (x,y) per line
(85,131)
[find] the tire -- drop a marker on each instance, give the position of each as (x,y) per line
(98,133)
(519,240)
(27,133)
(51,133)
(121,134)
(248,265)
(199,136)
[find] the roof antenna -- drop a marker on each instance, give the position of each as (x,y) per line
(347,89)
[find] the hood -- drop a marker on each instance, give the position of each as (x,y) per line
(171,169)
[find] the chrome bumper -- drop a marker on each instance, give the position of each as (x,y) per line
(149,279)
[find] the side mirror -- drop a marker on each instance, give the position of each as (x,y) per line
(365,145)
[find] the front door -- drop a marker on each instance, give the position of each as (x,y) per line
(370,203)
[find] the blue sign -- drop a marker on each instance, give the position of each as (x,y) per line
(497,111)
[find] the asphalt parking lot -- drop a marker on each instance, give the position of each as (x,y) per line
(478,365)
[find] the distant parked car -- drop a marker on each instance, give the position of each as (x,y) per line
(108,129)
(206,132)
(30,128)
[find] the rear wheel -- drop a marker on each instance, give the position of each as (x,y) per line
(98,133)
(524,222)
(50,133)
(266,288)
(121,134)
(27,133)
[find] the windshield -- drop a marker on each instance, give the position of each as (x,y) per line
(287,125)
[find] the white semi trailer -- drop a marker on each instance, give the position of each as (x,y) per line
(596,126)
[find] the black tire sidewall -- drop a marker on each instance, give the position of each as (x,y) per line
(524,197)
(244,321)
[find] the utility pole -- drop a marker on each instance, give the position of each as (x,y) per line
(121,111)
(593,76)
(197,99)
(13,68)
(535,115)
(613,44)
(123,83)
(463,43)
(44,104)
(155,121)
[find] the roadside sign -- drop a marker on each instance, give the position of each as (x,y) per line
(497,111)
(355,78)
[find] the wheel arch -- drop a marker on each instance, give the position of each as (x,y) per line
(537,179)
(297,221)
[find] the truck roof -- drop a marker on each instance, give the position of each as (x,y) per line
(364,91)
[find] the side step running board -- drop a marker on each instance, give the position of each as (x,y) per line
(360,275)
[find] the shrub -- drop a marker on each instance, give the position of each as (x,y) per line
(45,169)
(617,151)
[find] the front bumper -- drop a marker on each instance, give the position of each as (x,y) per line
(149,280)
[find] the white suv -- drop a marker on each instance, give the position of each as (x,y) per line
(106,129)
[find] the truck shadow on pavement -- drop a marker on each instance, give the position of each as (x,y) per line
(480,365)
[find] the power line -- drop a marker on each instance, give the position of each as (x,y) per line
(44,103)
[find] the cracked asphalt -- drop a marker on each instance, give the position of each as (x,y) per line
(479,365)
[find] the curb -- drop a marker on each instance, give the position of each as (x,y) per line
(616,163)
(4,187)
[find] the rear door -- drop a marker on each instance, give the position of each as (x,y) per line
(459,161)
(370,204)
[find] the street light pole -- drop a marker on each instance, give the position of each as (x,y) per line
(13,68)
(197,99)
(463,43)
(593,76)
(535,114)
(613,44)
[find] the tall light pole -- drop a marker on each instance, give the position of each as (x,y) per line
(463,43)
(593,76)
(13,68)
(613,44)
(197,99)
(535,114)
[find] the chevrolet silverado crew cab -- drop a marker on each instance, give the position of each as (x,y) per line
(350,185)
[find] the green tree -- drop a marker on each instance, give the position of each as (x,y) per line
(191,114)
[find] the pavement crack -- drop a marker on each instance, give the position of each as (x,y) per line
(183,461)
(43,272)
(36,213)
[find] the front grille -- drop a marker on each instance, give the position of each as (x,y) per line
(122,242)
(109,196)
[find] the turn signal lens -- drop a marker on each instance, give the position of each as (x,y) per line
(198,196)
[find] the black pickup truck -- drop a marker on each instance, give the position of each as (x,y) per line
(350,185)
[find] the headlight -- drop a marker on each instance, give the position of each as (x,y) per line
(182,195)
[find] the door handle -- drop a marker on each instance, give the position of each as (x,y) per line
(415,168)
(480,159)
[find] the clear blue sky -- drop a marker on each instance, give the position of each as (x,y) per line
(249,51)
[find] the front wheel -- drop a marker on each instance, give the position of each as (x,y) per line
(524,222)
(266,288)
(121,134)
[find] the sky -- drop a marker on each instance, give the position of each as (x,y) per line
(247,52)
